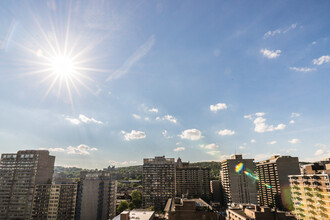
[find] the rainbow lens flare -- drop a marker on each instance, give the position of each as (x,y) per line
(239,167)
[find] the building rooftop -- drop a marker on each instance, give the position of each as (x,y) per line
(137,214)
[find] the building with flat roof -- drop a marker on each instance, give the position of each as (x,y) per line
(54,201)
(192,209)
(97,196)
(19,173)
(136,214)
(158,181)
(274,186)
(238,187)
(310,192)
(255,212)
(192,181)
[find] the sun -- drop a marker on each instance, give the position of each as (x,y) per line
(62,66)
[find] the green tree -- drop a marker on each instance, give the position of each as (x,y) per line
(136,198)
(131,205)
(123,205)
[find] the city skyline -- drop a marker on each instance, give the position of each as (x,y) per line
(110,83)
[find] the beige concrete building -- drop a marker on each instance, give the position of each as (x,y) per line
(192,181)
(19,173)
(97,196)
(136,214)
(311,192)
(54,201)
(274,187)
(192,209)
(254,212)
(158,181)
(238,187)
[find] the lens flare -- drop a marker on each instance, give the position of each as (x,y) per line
(240,167)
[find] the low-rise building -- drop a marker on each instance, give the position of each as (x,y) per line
(192,209)
(254,212)
(136,214)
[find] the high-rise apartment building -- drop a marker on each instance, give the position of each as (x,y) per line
(238,187)
(97,196)
(192,181)
(158,180)
(215,190)
(311,192)
(19,173)
(54,201)
(273,187)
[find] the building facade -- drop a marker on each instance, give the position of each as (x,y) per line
(238,187)
(54,201)
(192,181)
(274,187)
(97,198)
(311,192)
(19,173)
(158,181)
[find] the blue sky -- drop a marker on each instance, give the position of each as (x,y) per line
(173,78)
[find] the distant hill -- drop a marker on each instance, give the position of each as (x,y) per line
(135,172)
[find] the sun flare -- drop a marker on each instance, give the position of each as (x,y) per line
(62,66)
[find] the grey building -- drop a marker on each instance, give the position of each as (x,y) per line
(238,187)
(97,196)
(274,185)
(158,181)
(192,181)
(216,192)
(19,173)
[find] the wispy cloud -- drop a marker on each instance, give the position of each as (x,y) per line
(122,163)
(168,118)
(226,132)
(134,135)
(279,31)
(214,152)
(321,60)
(154,110)
(209,146)
(83,119)
(217,107)
(136,116)
(80,149)
(271,54)
(294,141)
(165,134)
(137,55)
(179,149)
(272,142)
(253,141)
(302,69)
(191,134)
(295,115)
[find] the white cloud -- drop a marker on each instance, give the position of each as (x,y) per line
(319,152)
(321,60)
(290,150)
(253,141)
(226,132)
(73,120)
(260,157)
(248,117)
(209,146)
(279,31)
(123,163)
(87,120)
(137,55)
(134,135)
(146,119)
(272,142)
(214,152)
(261,126)
(217,107)
(260,114)
(179,149)
(302,69)
(314,42)
(154,110)
(80,149)
(241,147)
(292,122)
(168,118)
(165,134)
(191,134)
(294,141)
(271,54)
(295,115)
(136,116)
